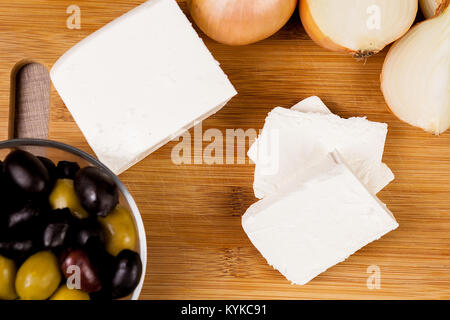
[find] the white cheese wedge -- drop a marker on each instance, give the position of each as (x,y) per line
(284,146)
(318,219)
(311,104)
(315,104)
(139,82)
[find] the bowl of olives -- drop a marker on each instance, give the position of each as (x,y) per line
(69,228)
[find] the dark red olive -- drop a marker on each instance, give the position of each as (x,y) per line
(96,190)
(59,229)
(89,279)
(127,271)
(26,172)
(51,169)
(67,169)
(89,233)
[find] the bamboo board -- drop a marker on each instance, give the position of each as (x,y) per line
(196,246)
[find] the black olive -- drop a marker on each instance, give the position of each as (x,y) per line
(8,199)
(55,235)
(51,168)
(89,233)
(2,175)
(24,239)
(67,169)
(26,172)
(103,262)
(25,216)
(127,271)
(11,199)
(18,250)
(59,229)
(96,190)
(3,224)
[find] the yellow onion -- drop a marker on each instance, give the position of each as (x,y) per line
(415,75)
(430,7)
(359,27)
(240,22)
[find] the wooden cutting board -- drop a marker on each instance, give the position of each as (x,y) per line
(192,213)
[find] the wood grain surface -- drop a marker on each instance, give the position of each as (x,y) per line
(192,213)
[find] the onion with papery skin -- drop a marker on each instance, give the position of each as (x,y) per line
(430,7)
(240,22)
(359,27)
(415,74)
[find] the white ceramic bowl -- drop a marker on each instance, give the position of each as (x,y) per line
(57,151)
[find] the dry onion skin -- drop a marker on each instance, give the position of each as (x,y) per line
(430,7)
(359,27)
(415,74)
(240,22)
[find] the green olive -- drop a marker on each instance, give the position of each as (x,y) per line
(7,277)
(64,293)
(119,230)
(63,196)
(38,277)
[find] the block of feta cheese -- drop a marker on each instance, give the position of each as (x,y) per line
(316,220)
(288,144)
(315,104)
(139,82)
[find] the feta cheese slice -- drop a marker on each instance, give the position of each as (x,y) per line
(315,104)
(284,146)
(318,219)
(139,82)
(312,104)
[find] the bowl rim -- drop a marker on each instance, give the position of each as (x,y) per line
(27,142)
